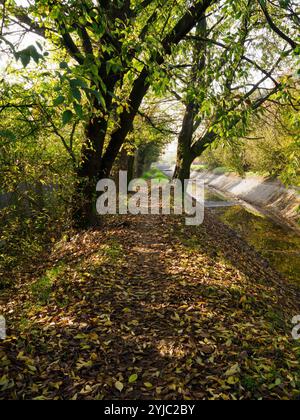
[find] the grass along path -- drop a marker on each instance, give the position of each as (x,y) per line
(151,309)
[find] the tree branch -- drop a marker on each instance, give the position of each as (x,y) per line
(153,125)
(86,41)
(186,24)
(210,136)
(141,84)
(21,14)
(275,28)
(71,46)
(243,57)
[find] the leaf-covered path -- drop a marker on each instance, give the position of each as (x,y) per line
(151,309)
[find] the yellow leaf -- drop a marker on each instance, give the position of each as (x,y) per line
(93,336)
(4,380)
(232,380)
(126,310)
(81,364)
(132,378)
(233,370)
(55,385)
(119,386)
(80,337)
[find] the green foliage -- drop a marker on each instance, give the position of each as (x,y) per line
(199,167)
(155,174)
(27,54)
(67,116)
(226,83)
(36,172)
(42,288)
(273,151)
(220,170)
(147,153)
(113,250)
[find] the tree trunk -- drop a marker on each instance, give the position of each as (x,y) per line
(139,90)
(84,203)
(139,162)
(183,168)
(126,164)
(130,168)
(184,157)
(84,199)
(95,165)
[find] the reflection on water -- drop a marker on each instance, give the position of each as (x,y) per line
(280,245)
(213,196)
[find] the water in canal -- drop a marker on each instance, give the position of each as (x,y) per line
(279,244)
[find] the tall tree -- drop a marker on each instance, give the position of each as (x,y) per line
(113,51)
(242,56)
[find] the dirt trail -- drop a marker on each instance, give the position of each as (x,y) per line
(151,309)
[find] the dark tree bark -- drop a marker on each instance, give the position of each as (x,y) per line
(84,209)
(184,158)
(84,213)
(96,163)
(126,164)
(141,86)
(139,90)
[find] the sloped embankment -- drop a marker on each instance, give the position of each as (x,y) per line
(272,196)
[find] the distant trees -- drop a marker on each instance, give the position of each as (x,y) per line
(145,143)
